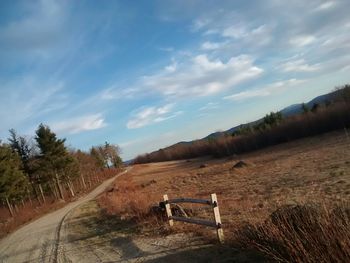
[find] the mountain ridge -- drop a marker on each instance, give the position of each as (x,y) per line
(291,110)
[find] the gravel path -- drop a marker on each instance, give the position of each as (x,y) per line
(39,241)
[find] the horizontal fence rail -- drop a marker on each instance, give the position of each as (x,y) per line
(212,202)
(189,200)
(196,221)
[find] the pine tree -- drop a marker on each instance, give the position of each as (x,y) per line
(26,151)
(97,154)
(54,157)
(305,108)
(13,183)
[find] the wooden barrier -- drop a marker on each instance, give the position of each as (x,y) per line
(212,202)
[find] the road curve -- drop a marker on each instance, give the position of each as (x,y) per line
(39,240)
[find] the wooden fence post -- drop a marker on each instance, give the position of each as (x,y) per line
(168,210)
(217,218)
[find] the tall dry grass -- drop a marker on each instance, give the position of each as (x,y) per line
(24,214)
(293,233)
(127,201)
(307,232)
(301,233)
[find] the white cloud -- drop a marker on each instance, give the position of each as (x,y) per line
(172,67)
(200,23)
(115,92)
(337,42)
(299,65)
(302,40)
(248,94)
(211,32)
(235,31)
(265,91)
(326,5)
(346,68)
(213,45)
(150,115)
(164,118)
(257,36)
(79,124)
(201,76)
(209,106)
(282,85)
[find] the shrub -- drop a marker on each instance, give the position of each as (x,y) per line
(127,201)
(302,233)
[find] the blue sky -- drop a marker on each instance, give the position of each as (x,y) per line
(147,74)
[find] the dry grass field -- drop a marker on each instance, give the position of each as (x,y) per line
(312,170)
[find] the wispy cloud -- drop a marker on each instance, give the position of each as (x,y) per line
(265,91)
(116,92)
(248,94)
(236,31)
(79,124)
(302,40)
(326,5)
(201,76)
(200,23)
(213,45)
(150,115)
(299,65)
(346,68)
(209,106)
(27,98)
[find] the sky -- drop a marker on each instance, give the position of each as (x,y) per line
(147,74)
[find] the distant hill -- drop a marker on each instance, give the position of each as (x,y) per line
(293,109)
(328,112)
(286,112)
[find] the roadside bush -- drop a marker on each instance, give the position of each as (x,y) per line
(302,233)
(127,200)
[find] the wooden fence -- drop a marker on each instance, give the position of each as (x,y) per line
(212,202)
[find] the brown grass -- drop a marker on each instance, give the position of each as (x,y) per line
(302,233)
(315,169)
(127,200)
(25,214)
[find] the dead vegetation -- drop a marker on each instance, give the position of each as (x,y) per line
(302,233)
(264,205)
(129,202)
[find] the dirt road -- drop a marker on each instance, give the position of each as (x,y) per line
(39,241)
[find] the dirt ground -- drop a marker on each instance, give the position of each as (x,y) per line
(92,236)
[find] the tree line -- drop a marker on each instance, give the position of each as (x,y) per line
(274,128)
(41,168)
